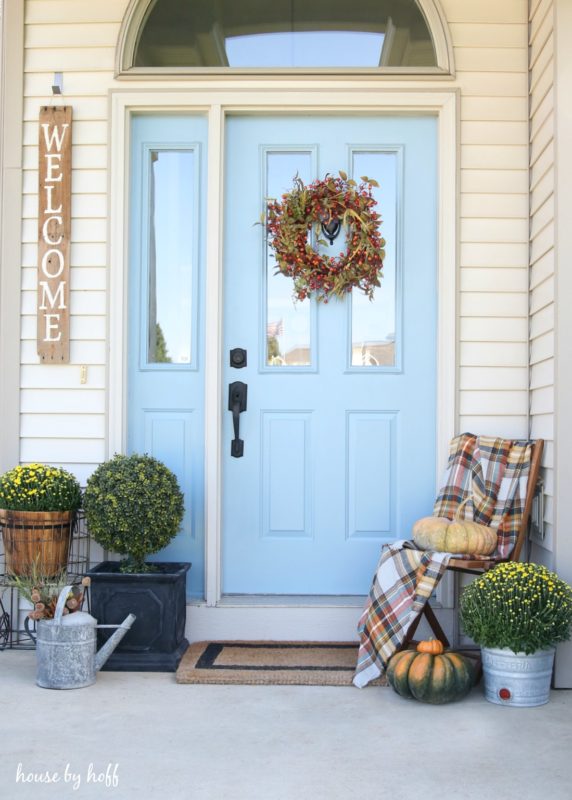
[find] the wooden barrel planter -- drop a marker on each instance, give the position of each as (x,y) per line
(36,541)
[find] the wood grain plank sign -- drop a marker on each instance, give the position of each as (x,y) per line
(54,232)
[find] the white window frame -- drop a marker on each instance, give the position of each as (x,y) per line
(138,10)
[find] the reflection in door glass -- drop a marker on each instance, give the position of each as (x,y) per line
(171,247)
(287,322)
(306,48)
(374,321)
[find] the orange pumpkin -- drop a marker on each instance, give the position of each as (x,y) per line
(433,646)
(455,536)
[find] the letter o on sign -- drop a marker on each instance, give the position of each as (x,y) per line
(47,260)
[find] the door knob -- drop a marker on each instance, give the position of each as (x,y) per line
(237,404)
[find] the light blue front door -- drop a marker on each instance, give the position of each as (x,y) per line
(339,430)
(165,408)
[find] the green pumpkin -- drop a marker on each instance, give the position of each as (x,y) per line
(431,678)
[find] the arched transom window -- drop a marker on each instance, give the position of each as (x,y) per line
(275,34)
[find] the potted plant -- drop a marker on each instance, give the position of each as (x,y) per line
(517,612)
(134,506)
(38,505)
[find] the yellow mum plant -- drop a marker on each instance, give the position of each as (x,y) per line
(524,607)
(39,487)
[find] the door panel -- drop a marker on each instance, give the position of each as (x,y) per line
(166,295)
(339,433)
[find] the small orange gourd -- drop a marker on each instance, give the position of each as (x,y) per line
(455,536)
(433,646)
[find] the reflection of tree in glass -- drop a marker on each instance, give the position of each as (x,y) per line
(161,353)
(272,348)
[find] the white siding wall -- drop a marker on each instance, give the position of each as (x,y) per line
(64,421)
(491,60)
(542,242)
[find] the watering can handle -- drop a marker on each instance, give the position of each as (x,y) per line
(61,604)
(63,596)
(28,629)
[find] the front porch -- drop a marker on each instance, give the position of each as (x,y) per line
(273,742)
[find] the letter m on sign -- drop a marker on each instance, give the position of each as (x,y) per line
(54,231)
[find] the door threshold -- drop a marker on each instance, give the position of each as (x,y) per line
(292,600)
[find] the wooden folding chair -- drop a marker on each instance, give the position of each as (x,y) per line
(478,566)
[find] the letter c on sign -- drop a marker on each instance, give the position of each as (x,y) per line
(46,234)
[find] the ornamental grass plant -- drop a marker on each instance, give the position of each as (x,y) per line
(133,506)
(39,487)
(520,606)
(43,591)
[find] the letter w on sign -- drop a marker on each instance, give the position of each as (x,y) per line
(54,230)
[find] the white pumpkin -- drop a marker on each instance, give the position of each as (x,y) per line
(455,536)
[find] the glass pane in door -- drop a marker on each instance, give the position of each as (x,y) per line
(288,323)
(171,247)
(375,340)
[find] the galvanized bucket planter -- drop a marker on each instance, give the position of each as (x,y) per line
(66,647)
(517,679)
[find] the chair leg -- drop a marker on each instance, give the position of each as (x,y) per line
(411,632)
(433,624)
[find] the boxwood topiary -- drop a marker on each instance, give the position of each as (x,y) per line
(133,506)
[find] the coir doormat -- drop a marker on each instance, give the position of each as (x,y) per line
(294,663)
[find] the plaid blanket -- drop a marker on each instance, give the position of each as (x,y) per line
(494,473)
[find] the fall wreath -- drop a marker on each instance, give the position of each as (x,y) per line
(323,207)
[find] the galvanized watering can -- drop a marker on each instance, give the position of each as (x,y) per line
(66,647)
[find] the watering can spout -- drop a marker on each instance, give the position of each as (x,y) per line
(107,649)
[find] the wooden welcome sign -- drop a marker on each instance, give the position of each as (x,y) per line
(54,229)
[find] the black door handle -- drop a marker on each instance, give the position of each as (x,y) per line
(237,404)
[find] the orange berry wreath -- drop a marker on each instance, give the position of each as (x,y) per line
(323,207)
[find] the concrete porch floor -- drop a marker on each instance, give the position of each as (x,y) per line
(162,740)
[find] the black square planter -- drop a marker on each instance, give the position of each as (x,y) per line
(156,641)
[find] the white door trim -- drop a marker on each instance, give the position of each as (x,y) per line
(216,100)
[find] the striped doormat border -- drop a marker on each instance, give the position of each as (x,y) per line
(271,663)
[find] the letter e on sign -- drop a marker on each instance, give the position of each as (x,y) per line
(54,230)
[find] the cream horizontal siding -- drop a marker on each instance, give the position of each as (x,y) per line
(62,450)
(499,35)
(493,378)
(80,400)
(491,280)
(78,426)
(63,12)
(491,254)
(542,240)
(71,35)
(63,420)
(490,39)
